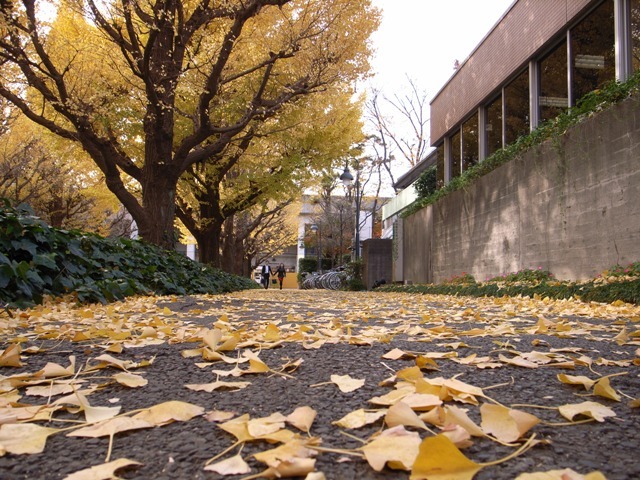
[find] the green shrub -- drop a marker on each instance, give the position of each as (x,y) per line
(427,182)
(354,271)
(37,260)
(307,265)
(462,279)
(525,275)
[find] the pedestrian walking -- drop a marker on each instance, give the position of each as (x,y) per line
(281,272)
(266,274)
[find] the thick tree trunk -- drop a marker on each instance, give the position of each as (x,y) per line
(209,244)
(158,211)
(232,251)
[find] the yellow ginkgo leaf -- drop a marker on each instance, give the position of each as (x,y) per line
(594,410)
(168,412)
(289,452)
(302,418)
(402,414)
(106,471)
(360,418)
(95,414)
(210,387)
(457,416)
(10,356)
(259,427)
(397,354)
(130,380)
(439,459)
(108,360)
(50,390)
(297,468)
(565,474)
(422,401)
(110,427)
(586,382)
(54,370)
(410,374)
(346,383)
(238,428)
(518,361)
(219,416)
(271,333)
(603,388)
(396,447)
(506,424)
(21,438)
(231,466)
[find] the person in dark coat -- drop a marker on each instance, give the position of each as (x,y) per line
(266,274)
(281,272)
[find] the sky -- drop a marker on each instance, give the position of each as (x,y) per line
(422,39)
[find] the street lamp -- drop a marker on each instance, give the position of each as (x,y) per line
(315,229)
(347,181)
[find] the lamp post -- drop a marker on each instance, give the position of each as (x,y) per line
(315,229)
(347,180)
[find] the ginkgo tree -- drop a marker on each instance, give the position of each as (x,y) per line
(150,89)
(271,163)
(54,178)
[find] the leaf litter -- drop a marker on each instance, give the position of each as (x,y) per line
(422,420)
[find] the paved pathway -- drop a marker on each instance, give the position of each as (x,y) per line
(308,336)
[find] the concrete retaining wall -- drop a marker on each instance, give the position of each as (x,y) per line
(571,206)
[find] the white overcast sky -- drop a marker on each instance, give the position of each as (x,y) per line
(423,38)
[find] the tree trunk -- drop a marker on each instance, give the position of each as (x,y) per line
(232,248)
(209,246)
(156,225)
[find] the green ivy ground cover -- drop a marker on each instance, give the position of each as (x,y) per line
(618,284)
(37,260)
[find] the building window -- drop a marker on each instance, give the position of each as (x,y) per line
(635,34)
(455,155)
(516,108)
(494,126)
(554,95)
(470,142)
(593,51)
(440,180)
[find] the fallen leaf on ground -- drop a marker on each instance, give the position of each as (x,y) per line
(130,380)
(395,447)
(21,438)
(11,356)
(168,412)
(603,388)
(402,414)
(594,410)
(565,474)
(359,418)
(210,387)
(506,424)
(586,382)
(108,428)
(302,418)
(346,383)
(231,466)
(439,459)
(106,471)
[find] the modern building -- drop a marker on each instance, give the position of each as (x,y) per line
(540,58)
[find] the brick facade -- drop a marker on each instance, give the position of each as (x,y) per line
(522,33)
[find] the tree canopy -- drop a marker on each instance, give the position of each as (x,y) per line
(152,90)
